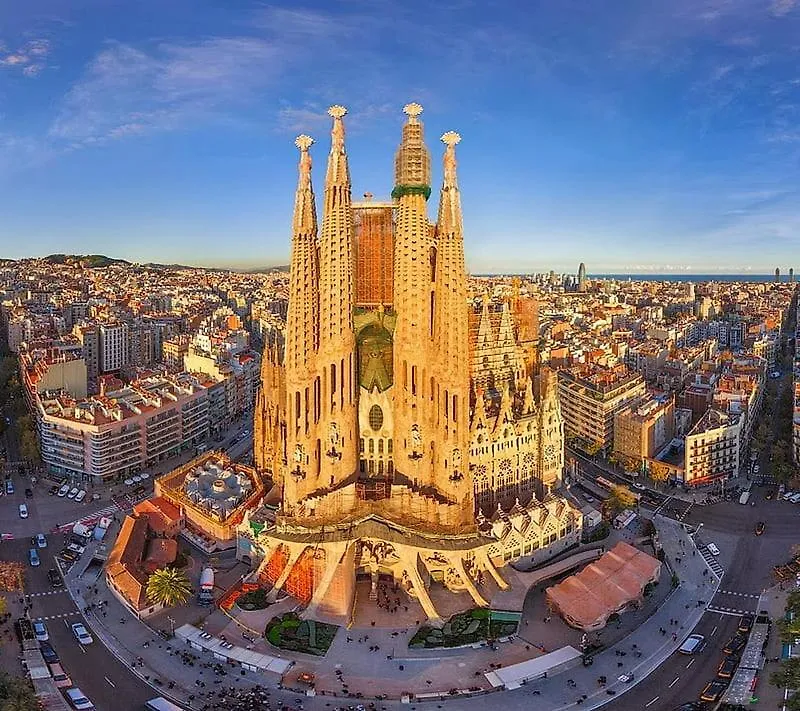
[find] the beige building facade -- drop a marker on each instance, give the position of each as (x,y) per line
(370,418)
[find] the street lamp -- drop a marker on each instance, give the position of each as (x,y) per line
(171,625)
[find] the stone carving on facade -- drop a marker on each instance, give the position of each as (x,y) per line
(375,553)
(297,457)
(333,439)
(416,442)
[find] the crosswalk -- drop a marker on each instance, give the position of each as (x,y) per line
(46,592)
(109,510)
(735,612)
(686,511)
(60,616)
(712,562)
(752,596)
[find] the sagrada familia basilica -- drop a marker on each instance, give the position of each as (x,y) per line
(410,433)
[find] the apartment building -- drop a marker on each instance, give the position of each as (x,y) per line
(592,396)
(113,347)
(116,434)
(644,428)
(712,451)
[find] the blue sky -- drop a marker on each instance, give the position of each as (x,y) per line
(633,135)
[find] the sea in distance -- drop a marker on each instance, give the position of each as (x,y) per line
(689,277)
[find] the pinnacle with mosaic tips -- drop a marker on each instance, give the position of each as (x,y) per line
(337,111)
(303,142)
(413,109)
(451,138)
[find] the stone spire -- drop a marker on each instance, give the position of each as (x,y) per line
(415,444)
(336,411)
(451,324)
(412,163)
(302,324)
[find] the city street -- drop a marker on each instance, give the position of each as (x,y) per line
(107,682)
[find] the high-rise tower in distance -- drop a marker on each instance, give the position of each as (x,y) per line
(581,277)
(791,275)
(369,417)
(777,275)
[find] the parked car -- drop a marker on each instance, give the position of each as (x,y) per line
(73,492)
(9,487)
(81,634)
(727,667)
(33,558)
(29,493)
(80,496)
(625,678)
(760,528)
(53,490)
(795,499)
(60,677)
(78,699)
(41,540)
(712,549)
(54,578)
(691,706)
(745,624)
(714,690)
(64,490)
(692,644)
(48,652)
(735,644)
(40,630)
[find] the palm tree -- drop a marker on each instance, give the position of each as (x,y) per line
(168,586)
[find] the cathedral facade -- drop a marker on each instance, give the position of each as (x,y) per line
(405,443)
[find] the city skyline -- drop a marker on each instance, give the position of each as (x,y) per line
(163,134)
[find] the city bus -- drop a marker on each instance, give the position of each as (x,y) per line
(161,704)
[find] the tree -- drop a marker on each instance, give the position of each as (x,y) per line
(659,471)
(788,677)
(621,498)
(169,586)
(3,605)
(16,694)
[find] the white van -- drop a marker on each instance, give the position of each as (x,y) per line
(692,644)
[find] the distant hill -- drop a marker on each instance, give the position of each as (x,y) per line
(268,270)
(88,260)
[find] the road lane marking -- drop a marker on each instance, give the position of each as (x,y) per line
(80,646)
(691,661)
(110,682)
(674,681)
(651,702)
(713,632)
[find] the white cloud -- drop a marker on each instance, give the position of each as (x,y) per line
(779,8)
(30,58)
(126,90)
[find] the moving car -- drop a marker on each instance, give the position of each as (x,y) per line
(23,511)
(795,499)
(41,540)
(48,652)
(81,496)
(63,491)
(40,630)
(714,690)
(625,678)
(54,577)
(735,644)
(73,492)
(60,677)
(745,624)
(33,557)
(53,490)
(640,487)
(690,706)
(9,487)
(760,528)
(78,699)
(692,644)
(712,549)
(727,667)
(81,634)
(28,493)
